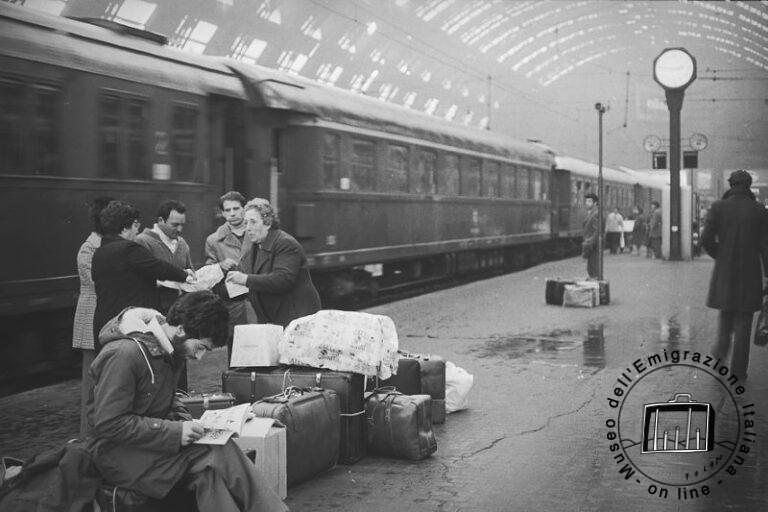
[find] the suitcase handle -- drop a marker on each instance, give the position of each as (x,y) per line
(678,398)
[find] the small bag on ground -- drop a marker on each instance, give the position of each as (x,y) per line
(579,296)
(458,382)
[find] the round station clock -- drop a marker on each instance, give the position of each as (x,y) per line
(652,143)
(698,141)
(674,68)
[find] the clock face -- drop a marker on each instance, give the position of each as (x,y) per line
(674,68)
(652,143)
(698,141)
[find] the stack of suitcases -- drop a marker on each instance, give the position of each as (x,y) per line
(577,293)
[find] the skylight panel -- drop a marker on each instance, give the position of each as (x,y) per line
(447,84)
(757,12)
(473,35)
(252,51)
(468,117)
(266,12)
(370,27)
(310,29)
(426,75)
(135,13)
(528,58)
(409,99)
(498,39)
(429,10)
(473,13)
(49,6)
(199,36)
(369,81)
(451,112)
(431,105)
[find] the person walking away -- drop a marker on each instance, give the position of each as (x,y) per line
(165,242)
(736,236)
(654,231)
(274,268)
(82,328)
(638,231)
(142,436)
(124,273)
(589,243)
(614,225)
(226,247)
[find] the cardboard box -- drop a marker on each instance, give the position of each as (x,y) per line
(266,437)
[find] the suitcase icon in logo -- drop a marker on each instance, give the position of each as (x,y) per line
(680,425)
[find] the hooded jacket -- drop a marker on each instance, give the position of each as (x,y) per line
(133,413)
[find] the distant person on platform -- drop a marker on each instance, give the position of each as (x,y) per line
(226,247)
(614,225)
(141,435)
(165,242)
(736,236)
(125,273)
(82,331)
(639,229)
(274,269)
(589,244)
(654,231)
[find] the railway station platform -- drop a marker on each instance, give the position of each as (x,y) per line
(557,418)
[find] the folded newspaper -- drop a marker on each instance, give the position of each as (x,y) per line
(344,341)
(205,279)
(221,424)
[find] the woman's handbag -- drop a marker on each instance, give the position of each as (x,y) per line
(761,331)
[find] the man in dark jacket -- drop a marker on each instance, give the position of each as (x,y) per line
(589,243)
(125,273)
(274,269)
(736,236)
(142,437)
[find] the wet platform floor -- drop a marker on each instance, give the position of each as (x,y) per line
(540,433)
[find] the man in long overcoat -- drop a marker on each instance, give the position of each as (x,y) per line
(736,236)
(274,269)
(589,243)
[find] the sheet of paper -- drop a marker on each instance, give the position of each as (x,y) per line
(258,427)
(231,418)
(235,290)
(206,277)
(217,437)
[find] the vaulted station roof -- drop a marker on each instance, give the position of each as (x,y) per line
(529,69)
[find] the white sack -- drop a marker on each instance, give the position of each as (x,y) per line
(458,382)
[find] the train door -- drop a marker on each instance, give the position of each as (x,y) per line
(561,201)
(228,134)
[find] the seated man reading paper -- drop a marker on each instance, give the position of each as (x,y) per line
(143,439)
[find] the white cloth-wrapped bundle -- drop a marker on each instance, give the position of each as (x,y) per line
(343,341)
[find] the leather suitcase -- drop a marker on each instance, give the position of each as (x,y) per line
(249,385)
(427,378)
(400,425)
(197,404)
(554,290)
(407,380)
(311,418)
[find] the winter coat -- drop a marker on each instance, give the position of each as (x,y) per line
(126,274)
(590,237)
(654,224)
(134,416)
(280,286)
(223,244)
(82,330)
(736,236)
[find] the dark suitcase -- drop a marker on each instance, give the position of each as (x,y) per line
(249,385)
(427,378)
(311,418)
(197,404)
(554,290)
(400,425)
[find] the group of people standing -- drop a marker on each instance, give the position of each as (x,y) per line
(646,232)
(136,335)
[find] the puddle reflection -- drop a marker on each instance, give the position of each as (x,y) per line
(594,346)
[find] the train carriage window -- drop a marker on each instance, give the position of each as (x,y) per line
(184,143)
(448,177)
(29,128)
(491,179)
(138,149)
(123,129)
(536,184)
(331,160)
(470,177)
(11,119)
(423,176)
(109,135)
(523,184)
(545,177)
(395,176)
(507,184)
(363,165)
(577,193)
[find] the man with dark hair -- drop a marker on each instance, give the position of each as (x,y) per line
(274,269)
(125,273)
(225,246)
(142,437)
(165,242)
(736,236)
(589,243)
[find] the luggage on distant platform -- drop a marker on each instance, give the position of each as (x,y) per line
(197,404)
(603,290)
(400,425)
(554,289)
(311,418)
(421,374)
(579,296)
(251,384)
